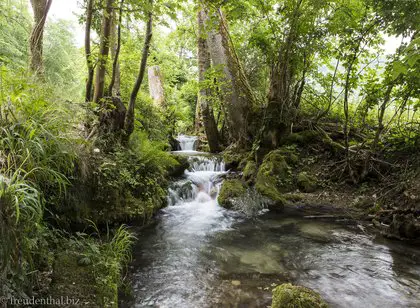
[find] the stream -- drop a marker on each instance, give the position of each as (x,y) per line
(197,254)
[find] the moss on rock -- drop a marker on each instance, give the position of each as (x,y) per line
(274,178)
(230,190)
(233,158)
(302,138)
(179,168)
(250,170)
(289,296)
(306,182)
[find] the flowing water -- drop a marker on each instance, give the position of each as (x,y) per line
(198,254)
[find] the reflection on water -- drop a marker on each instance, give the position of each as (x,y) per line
(202,256)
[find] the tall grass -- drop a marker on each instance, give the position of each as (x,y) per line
(36,154)
(21,211)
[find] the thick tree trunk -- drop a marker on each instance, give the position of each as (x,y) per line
(114,85)
(203,66)
(88,52)
(236,93)
(40,8)
(156,86)
(103,51)
(129,119)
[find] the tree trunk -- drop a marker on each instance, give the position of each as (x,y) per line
(236,93)
(88,52)
(284,94)
(197,119)
(203,66)
(379,130)
(156,86)
(103,52)
(114,85)
(40,8)
(129,119)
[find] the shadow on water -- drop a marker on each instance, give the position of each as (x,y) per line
(198,254)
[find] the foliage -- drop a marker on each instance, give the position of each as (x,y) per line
(14,29)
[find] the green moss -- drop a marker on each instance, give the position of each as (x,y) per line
(250,170)
(302,138)
(230,189)
(233,158)
(289,154)
(274,177)
(306,182)
(289,296)
(293,197)
(179,168)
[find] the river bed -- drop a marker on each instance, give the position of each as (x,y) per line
(198,254)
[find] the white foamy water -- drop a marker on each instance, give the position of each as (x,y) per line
(187,143)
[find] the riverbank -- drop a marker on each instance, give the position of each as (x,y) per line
(309,178)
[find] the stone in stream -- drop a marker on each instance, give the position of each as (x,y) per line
(290,296)
(230,190)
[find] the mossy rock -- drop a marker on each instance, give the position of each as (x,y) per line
(306,183)
(230,190)
(250,170)
(233,159)
(178,169)
(274,177)
(289,296)
(289,154)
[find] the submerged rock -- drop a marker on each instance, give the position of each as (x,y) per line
(230,190)
(290,296)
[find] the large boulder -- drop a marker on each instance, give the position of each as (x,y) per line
(274,178)
(290,296)
(230,190)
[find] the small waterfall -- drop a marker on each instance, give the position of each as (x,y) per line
(201,181)
(187,143)
(206,163)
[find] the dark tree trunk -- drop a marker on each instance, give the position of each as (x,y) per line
(114,84)
(210,126)
(129,119)
(40,8)
(88,52)
(103,52)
